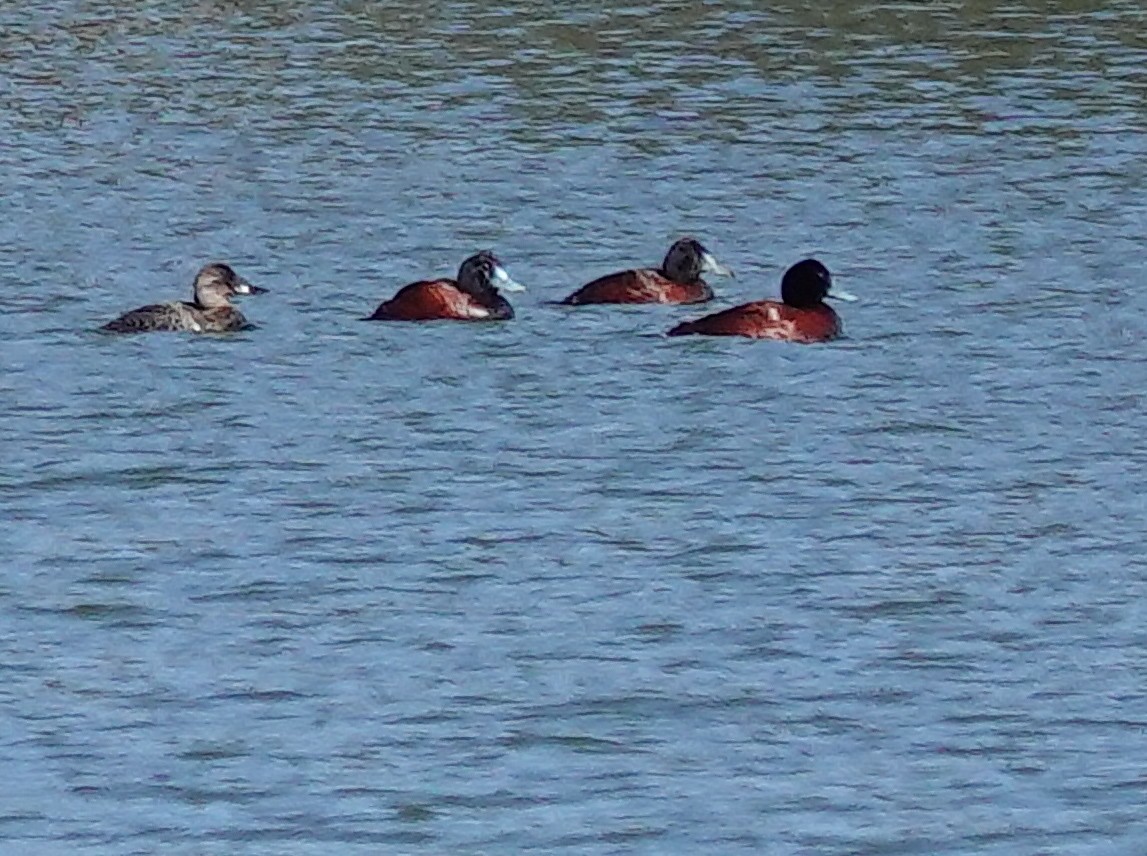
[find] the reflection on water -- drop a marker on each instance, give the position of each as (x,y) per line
(564,583)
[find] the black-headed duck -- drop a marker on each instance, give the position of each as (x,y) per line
(801,315)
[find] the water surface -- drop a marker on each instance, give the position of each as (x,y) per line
(564,584)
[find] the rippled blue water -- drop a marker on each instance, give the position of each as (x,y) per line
(564,584)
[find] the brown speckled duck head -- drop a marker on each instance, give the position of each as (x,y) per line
(687,259)
(217,283)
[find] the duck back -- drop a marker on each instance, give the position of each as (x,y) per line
(179,317)
(440,299)
(639,286)
(157,317)
(767,319)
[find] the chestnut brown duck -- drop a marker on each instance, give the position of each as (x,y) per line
(473,296)
(678,280)
(801,315)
